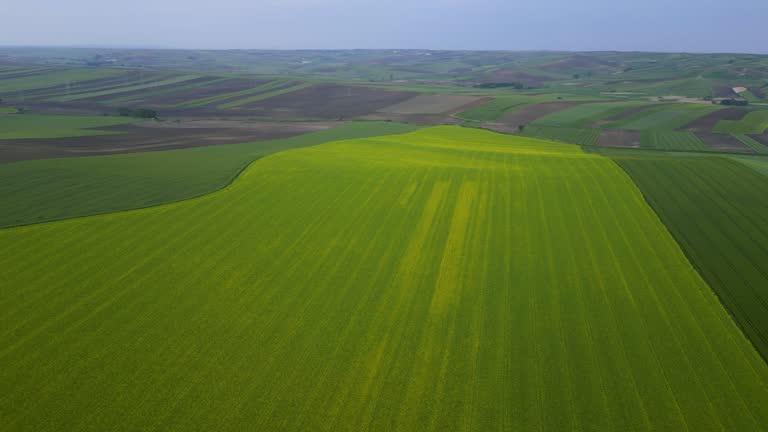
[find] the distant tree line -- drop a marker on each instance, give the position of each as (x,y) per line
(734,102)
(515,85)
(137,112)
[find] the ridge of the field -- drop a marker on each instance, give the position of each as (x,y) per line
(444,279)
(717,211)
(54,189)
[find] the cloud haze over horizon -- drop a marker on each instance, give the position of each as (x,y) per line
(650,25)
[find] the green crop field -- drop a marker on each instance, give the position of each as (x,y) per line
(56,126)
(165,90)
(755,122)
(52,189)
(585,114)
(266,95)
(717,211)
(672,140)
(570,135)
(125,89)
(492,110)
(754,145)
(445,279)
(232,95)
(55,77)
(666,117)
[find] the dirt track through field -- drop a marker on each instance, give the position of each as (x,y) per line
(153,137)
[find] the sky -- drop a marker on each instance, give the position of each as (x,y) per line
(576,25)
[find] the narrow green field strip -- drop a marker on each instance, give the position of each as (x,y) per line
(173,89)
(754,123)
(213,99)
(492,110)
(56,126)
(756,146)
(424,281)
(7,110)
(76,89)
(55,189)
(672,140)
(758,163)
(13,72)
(123,89)
(571,135)
(717,210)
(583,115)
(58,77)
(665,117)
(263,96)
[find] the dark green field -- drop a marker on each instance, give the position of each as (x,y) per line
(717,210)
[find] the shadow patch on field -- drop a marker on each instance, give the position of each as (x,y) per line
(724,142)
(154,137)
(619,138)
(707,122)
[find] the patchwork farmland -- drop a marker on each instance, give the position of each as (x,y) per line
(379,240)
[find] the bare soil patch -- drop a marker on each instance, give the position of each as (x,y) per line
(707,122)
(420,119)
(762,139)
(155,136)
(328,101)
(619,138)
(758,91)
(723,91)
(210,90)
(108,97)
(529,113)
(432,104)
(629,112)
(724,142)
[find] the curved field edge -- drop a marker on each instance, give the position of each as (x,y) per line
(420,281)
(56,189)
(717,212)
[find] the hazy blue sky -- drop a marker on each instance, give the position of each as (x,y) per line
(648,25)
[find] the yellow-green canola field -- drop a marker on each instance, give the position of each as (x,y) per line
(446,279)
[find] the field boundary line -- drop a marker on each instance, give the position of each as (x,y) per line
(232,180)
(688,257)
